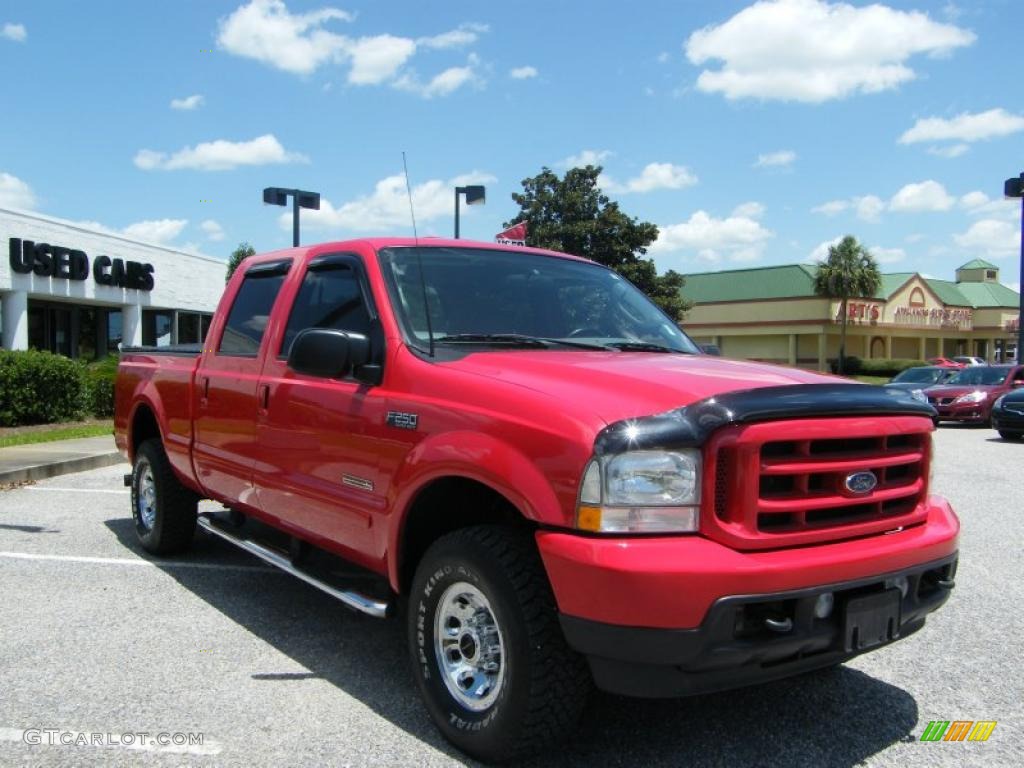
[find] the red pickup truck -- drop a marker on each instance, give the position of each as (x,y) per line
(549,479)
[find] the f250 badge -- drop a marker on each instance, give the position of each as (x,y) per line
(402,420)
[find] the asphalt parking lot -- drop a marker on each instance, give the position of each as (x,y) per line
(96,637)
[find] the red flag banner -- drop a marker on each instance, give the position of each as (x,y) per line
(514,235)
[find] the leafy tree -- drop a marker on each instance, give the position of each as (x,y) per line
(572,215)
(849,272)
(243,251)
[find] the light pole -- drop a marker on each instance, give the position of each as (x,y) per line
(300,199)
(475,195)
(1014,187)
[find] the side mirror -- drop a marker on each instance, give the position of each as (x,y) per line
(328,353)
(711,349)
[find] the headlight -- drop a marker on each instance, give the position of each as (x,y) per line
(918,394)
(641,492)
(971,397)
(999,402)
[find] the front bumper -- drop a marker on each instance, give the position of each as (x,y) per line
(1007,420)
(735,646)
(963,411)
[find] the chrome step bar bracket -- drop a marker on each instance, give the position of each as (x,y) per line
(355,600)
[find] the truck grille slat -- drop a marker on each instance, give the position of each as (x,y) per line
(785,483)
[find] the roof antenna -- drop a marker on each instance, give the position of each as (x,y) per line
(419,256)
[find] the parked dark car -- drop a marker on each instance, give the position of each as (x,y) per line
(1008,414)
(921,377)
(970,394)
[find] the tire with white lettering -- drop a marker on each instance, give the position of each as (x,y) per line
(488,652)
(164,510)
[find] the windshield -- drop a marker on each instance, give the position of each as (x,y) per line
(919,376)
(477,294)
(980,375)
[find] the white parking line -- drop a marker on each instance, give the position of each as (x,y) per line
(162,742)
(74,490)
(135,561)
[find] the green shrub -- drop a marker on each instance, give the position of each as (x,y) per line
(100,378)
(879,367)
(40,388)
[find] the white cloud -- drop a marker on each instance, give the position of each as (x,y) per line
(977,203)
(927,195)
(465,34)
(299,43)
(653,176)
(213,230)
(587,157)
(888,255)
(813,51)
(738,238)
(751,210)
(523,73)
(915,237)
(15,32)
(831,208)
(156,230)
(868,207)
(377,59)
(15,193)
(820,252)
(266,31)
(965,127)
(994,238)
(387,208)
(190,102)
(219,155)
(783,157)
(442,84)
(953,150)
(664,57)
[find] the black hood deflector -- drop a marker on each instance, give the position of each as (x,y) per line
(691,425)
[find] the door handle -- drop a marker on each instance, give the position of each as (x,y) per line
(204,395)
(264,397)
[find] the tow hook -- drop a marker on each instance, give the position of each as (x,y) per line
(779,625)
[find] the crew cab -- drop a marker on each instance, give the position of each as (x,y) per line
(550,482)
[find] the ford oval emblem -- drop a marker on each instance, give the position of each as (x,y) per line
(861,482)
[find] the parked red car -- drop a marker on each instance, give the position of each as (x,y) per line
(945,362)
(969,395)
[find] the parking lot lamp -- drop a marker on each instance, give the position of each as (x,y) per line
(1014,187)
(475,195)
(300,199)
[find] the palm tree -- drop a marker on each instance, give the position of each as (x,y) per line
(849,272)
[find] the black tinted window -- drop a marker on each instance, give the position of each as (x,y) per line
(250,313)
(330,297)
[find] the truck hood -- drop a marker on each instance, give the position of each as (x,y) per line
(620,385)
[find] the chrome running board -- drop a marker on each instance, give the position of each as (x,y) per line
(355,600)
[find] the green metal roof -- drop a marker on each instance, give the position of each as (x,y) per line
(977,264)
(780,282)
(797,281)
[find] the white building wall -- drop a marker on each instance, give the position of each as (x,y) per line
(181,280)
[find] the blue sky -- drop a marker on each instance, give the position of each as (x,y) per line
(750,133)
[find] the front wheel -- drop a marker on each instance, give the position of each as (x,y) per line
(489,656)
(163,509)
(1007,435)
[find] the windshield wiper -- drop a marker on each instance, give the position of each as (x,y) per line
(642,346)
(517,339)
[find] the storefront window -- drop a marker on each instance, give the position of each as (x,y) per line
(188,328)
(87,333)
(157,327)
(114,332)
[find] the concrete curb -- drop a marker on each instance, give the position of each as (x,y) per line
(53,469)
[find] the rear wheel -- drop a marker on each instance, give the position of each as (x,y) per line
(163,509)
(1007,435)
(490,659)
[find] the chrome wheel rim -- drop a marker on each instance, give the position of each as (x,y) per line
(146,496)
(469,646)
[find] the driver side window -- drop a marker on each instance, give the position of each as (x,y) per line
(331,296)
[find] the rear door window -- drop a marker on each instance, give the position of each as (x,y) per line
(250,312)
